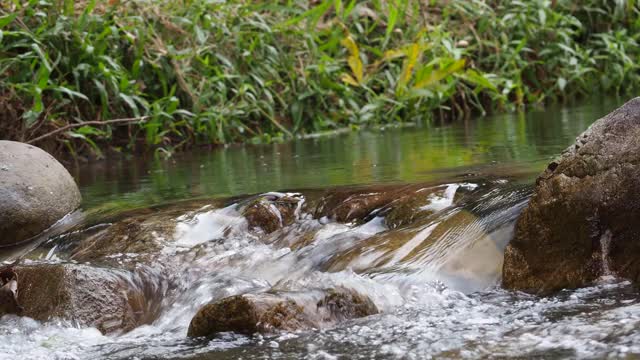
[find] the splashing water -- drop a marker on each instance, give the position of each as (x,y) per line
(605,244)
(435,281)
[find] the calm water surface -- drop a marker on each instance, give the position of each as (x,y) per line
(506,144)
(436,281)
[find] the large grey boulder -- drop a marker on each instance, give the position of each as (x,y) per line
(583,219)
(35,192)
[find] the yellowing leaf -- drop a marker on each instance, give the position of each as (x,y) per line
(429,78)
(348,79)
(354,58)
(351,45)
(478,79)
(412,52)
(393,54)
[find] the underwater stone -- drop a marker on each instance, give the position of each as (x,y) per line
(590,193)
(270,213)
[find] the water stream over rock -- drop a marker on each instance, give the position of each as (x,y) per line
(426,250)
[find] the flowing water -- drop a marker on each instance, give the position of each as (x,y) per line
(435,279)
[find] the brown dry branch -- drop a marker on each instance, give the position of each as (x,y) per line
(89,123)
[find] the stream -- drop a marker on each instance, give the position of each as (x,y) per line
(434,278)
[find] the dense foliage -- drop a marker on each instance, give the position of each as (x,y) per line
(140,74)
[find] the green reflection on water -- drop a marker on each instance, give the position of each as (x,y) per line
(501,145)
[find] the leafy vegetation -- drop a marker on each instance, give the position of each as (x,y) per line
(86,76)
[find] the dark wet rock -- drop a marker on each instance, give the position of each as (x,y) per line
(266,312)
(271,212)
(354,204)
(583,217)
(399,204)
(423,234)
(410,207)
(143,236)
(9,291)
(87,296)
(344,304)
(360,203)
(138,235)
(35,192)
(420,203)
(247,314)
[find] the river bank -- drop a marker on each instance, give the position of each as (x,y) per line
(128,77)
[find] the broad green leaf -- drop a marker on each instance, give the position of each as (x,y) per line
(70,92)
(91,143)
(314,14)
(542,16)
(337,5)
(392,18)
(433,77)
(131,103)
(43,57)
(43,77)
(478,79)
(7,19)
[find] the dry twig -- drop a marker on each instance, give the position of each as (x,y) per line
(92,123)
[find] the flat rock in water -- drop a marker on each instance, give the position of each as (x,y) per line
(582,221)
(35,192)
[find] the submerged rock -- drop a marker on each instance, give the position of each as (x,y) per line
(142,236)
(132,237)
(357,204)
(344,304)
(354,204)
(270,212)
(581,222)
(265,312)
(84,295)
(35,192)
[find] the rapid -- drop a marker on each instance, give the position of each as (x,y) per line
(433,272)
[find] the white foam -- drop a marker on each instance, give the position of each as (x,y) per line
(423,313)
(193,230)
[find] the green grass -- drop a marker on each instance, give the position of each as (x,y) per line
(89,77)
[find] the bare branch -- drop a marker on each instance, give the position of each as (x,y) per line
(92,123)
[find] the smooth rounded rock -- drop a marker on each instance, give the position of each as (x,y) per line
(582,221)
(271,312)
(247,314)
(35,192)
